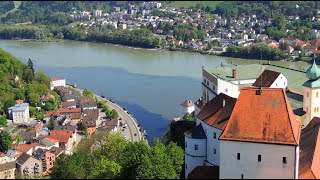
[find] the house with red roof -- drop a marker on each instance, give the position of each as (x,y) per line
(46,97)
(64,137)
(55,82)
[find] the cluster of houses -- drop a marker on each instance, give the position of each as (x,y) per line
(242,31)
(41,145)
(255,121)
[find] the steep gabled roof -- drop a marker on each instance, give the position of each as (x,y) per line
(309,159)
(196,132)
(264,118)
(214,105)
(266,78)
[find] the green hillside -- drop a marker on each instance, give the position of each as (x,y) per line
(186,4)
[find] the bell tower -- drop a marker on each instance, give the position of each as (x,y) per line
(311,94)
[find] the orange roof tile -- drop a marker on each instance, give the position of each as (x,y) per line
(215,114)
(56,79)
(52,113)
(69,110)
(61,135)
(19,101)
(36,144)
(22,147)
(51,140)
(309,158)
(264,118)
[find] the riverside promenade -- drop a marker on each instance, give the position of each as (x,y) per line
(132,132)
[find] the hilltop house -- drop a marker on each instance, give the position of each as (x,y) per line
(55,82)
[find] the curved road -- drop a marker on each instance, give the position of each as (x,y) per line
(132,131)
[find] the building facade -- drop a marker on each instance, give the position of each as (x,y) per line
(57,82)
(19,113)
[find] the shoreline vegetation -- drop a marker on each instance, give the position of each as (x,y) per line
(136,39)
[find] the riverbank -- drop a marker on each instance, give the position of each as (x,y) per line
(135,130)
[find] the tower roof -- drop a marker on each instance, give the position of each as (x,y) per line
(313,72)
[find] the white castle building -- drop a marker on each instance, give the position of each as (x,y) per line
(259,134)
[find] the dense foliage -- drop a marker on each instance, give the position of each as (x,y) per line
(6,6)
(111,156)
(255,52)
(5,141)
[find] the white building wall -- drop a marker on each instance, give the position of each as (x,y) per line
(213,144)
(280,82)
(194,158)
(228,88)
(56,83)
(271,165)
(184,110)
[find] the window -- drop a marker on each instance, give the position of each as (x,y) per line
(315,109)
(196,147)
(259,158)
(284,160)
(284,83)
(238,156)
(307,94)
(226,89)
(276,84)
(215,135)
(214,151)
(186,166)
(186,144)
(241,176)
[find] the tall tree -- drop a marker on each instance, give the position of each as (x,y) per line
(3,121)
(30,65)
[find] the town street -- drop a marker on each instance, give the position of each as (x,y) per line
(132,130)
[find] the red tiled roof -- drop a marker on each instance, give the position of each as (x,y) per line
(56,79)
(52,113)
(53,141)
(69,110)
(204,172)
(19,101)
(309,158)
(264,118)
(61,135)
(215,114)
(266,78)
(22,147)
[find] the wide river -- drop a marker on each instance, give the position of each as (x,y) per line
(149,83)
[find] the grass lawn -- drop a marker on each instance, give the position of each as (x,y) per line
(187,4)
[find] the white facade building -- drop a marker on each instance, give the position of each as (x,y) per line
(19,113)
(57,82)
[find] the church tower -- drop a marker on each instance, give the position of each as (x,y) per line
(311,94)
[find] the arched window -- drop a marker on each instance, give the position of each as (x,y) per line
(317,109)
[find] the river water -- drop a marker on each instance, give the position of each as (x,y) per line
(149,83)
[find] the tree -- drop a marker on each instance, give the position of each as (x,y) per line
(188,117)
(9,103)
(88,93)
(34,99)
(41,77)
(52,123)
(5,141)
(19,139)
(3,121)
(30,65)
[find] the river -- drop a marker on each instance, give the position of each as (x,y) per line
(149,83)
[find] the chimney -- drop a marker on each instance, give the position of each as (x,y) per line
(223,102)
(234,73)
(259,91)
